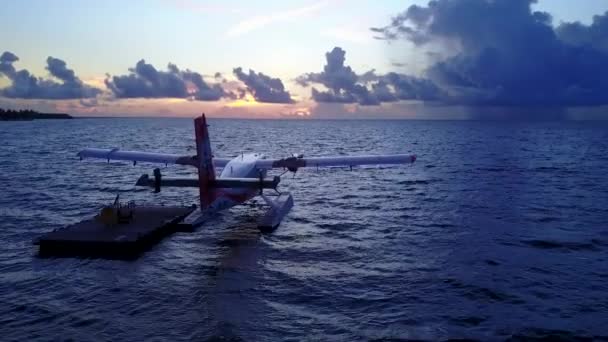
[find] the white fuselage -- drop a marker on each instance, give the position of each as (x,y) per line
(242,166)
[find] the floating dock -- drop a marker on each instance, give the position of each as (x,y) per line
(113,235)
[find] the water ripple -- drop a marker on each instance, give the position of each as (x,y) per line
(496,233)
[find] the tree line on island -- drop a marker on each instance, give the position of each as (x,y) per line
(28,114)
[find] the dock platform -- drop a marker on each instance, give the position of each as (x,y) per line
(94,238)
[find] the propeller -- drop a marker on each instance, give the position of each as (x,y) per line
(294,161)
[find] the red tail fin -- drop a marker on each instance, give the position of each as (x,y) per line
(206,170)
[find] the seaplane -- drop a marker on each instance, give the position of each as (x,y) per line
(241,178)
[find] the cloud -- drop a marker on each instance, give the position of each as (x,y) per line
(259,21)
(413,88)
(6,64)
(59,70)
(145,81)
(368,89)
(27,86)
(340,80)
(595,35)
(264,88)
(502,53)
(8,57)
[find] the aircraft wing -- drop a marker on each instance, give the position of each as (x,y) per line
(294,163)
(149,157)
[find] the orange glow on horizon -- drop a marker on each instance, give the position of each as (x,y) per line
(248,101)
(175,100)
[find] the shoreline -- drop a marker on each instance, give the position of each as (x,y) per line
(33,116)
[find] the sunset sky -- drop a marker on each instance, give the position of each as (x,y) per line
(332,58)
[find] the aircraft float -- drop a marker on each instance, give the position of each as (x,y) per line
(241,179)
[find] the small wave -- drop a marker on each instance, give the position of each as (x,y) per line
(413,208)
(562,245)
(474,292)
(540,334)
(491,169)
(542,209)
(431,199)
(337,226)
(80,322)
(234,242)
(546,169)
(435,225)
(319,201)
(413,182)
(547,219)
(300,219)
(470,321)
(540,270)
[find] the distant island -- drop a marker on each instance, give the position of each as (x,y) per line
(28,115)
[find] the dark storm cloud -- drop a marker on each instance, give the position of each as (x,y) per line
(595,35)
(368,89)
(413,88)
(368,76)
(8,57)
(336,76)
(263,87)
(145,81)
(59,69)
(340,80)
(27,86)
(501,53)
(6,64)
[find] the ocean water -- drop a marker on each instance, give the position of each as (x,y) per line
(499,231)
